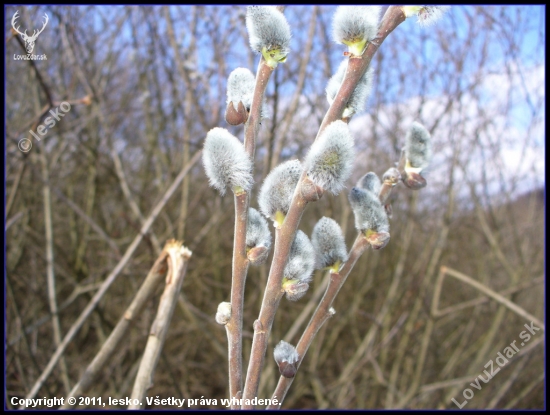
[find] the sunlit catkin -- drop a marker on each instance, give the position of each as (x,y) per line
(370,217)
(354,26)
(226,162)
(330,159)
(299,266)
(427,15)
(240,87)
(329,244)
(269,33)
(277,190)
(370,182)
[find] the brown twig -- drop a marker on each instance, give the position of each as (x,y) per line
(485,290)
(178,258)
(234,326)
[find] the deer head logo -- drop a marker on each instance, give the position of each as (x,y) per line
(29,40)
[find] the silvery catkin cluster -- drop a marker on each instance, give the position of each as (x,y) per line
(269,33)
(354,26)
(360,95)
(329,244)
(330,159)
(226,162)
(277,190)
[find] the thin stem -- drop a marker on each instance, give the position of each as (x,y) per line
(50,273)
(234,326)
(321,315)
(252,126)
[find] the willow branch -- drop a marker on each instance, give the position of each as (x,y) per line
(262,327)
(234,326)
(178,258)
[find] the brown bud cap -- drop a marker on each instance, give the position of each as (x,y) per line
(414,180)
(310,191)
(295,289)
(287,358)
(287,370)
(236,116)
(377,240)
(257,255)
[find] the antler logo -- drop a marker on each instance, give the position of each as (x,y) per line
(29,40)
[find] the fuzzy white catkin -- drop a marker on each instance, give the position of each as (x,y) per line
(369,212)
(428,15)
(257,230)
(240,87)
(329,244)
(418,148)
(278,188)
(360,95)
(353,23)
(285,352)
(226,162)
(371,182)
(330,159)
(301,260)
(223,314)
(267,28)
